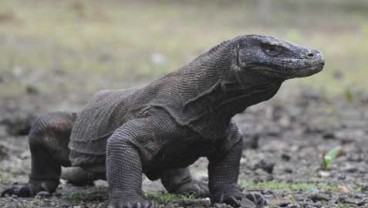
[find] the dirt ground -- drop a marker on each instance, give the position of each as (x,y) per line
(55,54)
(285,141)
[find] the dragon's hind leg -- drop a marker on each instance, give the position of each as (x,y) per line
(80,177)
(179,181)
(48,141)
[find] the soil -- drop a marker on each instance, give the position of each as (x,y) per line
(285,141)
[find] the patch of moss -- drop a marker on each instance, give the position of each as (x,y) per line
(165,198)
(95,194)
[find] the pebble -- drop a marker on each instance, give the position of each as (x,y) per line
(285,157)
(251,142)
(350,169)
(329,135)
(265,165)
(315,197)
(293,206)
(284,204)
(324,174)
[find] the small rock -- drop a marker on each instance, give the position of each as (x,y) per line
(25,155)
(319,197)
(324,174)
(102,205)
(3,151)
(194,203)
(361,203)
(362,169)
(284,204)
(329,135)
(288,170)
(346,200)
(273,131)
(43,194)
(251,142)
(341,176)
(32,90)
(285,157)
(217,205)
(266,166)
(267,192)
(360,196)
(293,206)
(100,183)
(285,121)
(350,169)
(355,157)
(364,187)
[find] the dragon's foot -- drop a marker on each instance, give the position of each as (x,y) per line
(120,199)
(235,197)
(31,188)
(198,188)
(121,203)
(256,198)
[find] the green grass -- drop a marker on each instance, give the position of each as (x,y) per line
(76,197)
(330,157)
(99,194)
(165,198)
(96,194)
(60,46)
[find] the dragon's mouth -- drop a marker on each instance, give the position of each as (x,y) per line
(287,73)
(310,70)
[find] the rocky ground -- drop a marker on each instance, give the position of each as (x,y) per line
(285,143)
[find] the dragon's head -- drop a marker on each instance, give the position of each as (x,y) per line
(275,58)
(245,71)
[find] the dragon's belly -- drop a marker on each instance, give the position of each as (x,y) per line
(178,155)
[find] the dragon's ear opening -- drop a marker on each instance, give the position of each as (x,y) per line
(240,57)
(236,66)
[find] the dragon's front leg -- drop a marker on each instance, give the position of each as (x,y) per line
(223,173)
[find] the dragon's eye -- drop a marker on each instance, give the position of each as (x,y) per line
(272,50)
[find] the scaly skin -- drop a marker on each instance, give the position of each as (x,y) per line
(163,127)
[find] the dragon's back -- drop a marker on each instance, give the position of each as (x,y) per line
(104,113)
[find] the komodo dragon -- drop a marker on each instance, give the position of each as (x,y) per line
(163,127)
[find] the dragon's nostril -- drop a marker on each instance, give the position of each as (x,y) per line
(310,55)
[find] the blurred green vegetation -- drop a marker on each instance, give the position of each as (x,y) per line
(83,46)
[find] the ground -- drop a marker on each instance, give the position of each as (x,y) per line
(55,54)
(286,140)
